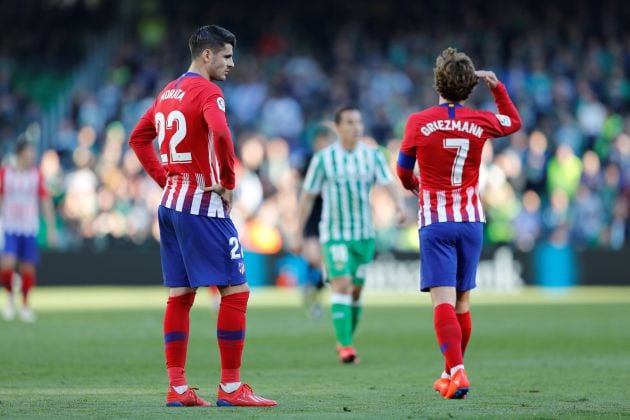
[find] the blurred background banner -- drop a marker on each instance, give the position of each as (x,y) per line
(75,76)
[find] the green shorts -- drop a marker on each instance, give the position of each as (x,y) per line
(348,259)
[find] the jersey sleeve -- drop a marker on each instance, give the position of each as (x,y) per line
(407,156)
(214,115)
(383,175)
(141,141)
(315,175)
(508,120)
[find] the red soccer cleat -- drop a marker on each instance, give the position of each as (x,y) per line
(348,355)
(441,385)
(242,397)
(459,386)
(187,399)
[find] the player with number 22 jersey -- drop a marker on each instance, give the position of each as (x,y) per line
(198,242)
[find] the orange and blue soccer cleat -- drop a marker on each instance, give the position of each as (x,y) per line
(187,399)
(242,397)
(459,386)
(441,385)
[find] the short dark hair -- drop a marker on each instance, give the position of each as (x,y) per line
(210,36)
(454,75)
(22,144)
(343,109)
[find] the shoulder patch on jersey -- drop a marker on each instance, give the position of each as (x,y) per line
(504,120)
(221,103)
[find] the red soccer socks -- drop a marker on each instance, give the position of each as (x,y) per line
(28,282)
(231,335)
(176,328)
(7,279)
(449,334)
(465,323)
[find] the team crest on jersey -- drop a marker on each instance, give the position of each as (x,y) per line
(504,120)
(221,103)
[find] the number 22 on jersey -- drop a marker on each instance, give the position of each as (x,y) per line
(177,120)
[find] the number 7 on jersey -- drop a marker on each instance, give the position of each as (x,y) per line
(462,146)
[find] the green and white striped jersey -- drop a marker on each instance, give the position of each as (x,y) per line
(344,179)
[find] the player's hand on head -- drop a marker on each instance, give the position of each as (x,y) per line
(225,194)
(489,77)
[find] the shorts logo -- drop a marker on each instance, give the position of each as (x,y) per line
(504,120)
(221,103)
(241,268)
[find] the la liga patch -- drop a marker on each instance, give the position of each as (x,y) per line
(221,103)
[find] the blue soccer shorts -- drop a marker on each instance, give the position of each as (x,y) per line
(199,251)
(449,254)
(22,247)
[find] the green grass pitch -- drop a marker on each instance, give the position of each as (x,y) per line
(97,353)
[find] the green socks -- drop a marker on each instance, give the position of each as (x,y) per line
(342,317)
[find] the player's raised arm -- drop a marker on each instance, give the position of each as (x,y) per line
(407,159)
(141,141)
(508,120)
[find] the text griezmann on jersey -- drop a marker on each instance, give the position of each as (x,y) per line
(452,125)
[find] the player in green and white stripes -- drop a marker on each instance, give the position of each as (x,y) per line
(344,174)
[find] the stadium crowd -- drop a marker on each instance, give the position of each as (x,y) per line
(565,177)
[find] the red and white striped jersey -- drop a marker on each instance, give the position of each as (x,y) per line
(21,191)
(447,141)
(195,145)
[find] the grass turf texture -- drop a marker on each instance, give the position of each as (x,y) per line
(97,353)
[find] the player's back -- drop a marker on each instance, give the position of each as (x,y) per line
(448,141)
(186,144)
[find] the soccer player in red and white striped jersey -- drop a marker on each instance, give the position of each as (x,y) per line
(199,244)
(22,191)
(447,140)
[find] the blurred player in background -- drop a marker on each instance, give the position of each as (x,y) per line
(311,248)
(447,140)
(199,244)
(22,191)
(344,173)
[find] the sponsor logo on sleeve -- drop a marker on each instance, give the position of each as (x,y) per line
(504,120)
(221,103)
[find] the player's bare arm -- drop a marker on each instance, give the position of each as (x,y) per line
(394,194)
(305,206)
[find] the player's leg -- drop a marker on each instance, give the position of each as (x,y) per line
(469,246)
(439,277)
(339,273)
(312,253)
(362,255)
(28,257)
(176,325)
(27,272)
(213,256)
(7,267)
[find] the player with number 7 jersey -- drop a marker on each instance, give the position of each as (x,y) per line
(447,141)
(198,242)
